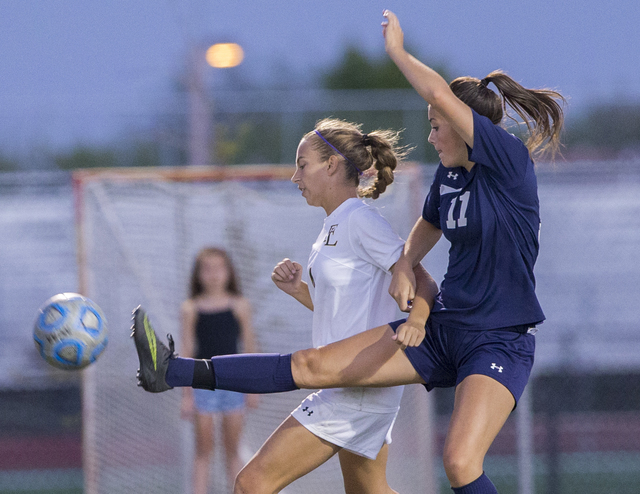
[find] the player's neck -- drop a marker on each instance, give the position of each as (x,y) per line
(337,197)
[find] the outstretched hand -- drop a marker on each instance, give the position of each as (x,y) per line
(393,35)
(287,275)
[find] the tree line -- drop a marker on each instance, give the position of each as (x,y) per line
(603,131)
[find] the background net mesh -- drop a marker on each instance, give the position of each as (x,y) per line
(138,238)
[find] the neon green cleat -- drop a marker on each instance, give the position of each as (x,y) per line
(152,353)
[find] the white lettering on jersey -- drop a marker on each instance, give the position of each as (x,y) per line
(445,189)
(462,219)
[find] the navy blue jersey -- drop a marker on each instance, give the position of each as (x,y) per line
(491,217)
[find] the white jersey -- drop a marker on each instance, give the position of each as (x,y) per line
(348,277)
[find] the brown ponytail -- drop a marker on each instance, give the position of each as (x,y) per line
(378,149)
(540,109)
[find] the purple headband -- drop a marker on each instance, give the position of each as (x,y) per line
(336,150)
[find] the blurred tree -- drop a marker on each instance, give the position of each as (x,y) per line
(85,157)
(136,154)
(358,71)
(7,165)
(605,130)
(247,138)
(143,154)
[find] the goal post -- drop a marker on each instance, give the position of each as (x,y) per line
(138,231)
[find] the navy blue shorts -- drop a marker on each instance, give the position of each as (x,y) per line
(447,355)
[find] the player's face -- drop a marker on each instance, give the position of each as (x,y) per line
(310,174)
(214,274)
(450,147)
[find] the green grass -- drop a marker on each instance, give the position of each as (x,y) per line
(579,473)
(59,481)
(46,491)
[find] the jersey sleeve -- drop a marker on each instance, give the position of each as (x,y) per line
(502,153)
(431,208)
(373,239)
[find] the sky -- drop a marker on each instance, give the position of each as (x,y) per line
(86,71)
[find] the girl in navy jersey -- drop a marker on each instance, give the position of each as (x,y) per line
(480,335)
(215,319)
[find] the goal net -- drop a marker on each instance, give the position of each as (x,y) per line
(138,233)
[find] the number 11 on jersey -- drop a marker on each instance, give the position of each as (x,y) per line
(462,219)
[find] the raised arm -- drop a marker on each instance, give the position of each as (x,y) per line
(429,84)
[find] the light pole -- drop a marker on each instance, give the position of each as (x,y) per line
(220,56)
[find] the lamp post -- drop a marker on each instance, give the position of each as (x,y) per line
(220,56)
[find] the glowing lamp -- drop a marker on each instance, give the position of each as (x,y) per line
(224,55)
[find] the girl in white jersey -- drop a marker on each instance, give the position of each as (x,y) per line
(346,286)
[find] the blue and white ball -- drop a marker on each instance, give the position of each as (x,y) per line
(70,331)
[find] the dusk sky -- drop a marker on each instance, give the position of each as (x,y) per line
(75,71)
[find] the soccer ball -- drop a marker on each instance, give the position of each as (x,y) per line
(70,331)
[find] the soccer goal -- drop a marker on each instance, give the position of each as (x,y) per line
(138,233)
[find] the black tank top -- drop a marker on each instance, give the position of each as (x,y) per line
(216,334)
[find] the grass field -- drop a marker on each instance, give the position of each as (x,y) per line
(580,473)
(56,481)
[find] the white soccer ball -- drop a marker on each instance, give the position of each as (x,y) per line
(70,331)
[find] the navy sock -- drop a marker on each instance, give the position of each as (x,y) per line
(180,372)
(203,377)
(254,373)
(482,485)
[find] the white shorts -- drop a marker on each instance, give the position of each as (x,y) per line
(351,423)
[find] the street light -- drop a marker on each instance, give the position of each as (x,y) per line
(220,56)
(224,55)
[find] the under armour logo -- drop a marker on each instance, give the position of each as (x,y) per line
(305,409)
(452,175)
(494,366)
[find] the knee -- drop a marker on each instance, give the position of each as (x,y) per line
(249,481)
(306,368)
(241,484)
(461,468)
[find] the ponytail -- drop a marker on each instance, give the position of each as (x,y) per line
(385,160)
(360,152)
(540,109)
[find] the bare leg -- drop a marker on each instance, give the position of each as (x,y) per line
(481,407)
(203,424)
(370,358)
(362,475)
(290,453)
(231,431)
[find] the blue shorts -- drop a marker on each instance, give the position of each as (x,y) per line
(218,401)
(447,355)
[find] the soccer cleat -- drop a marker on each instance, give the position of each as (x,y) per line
(152,353)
